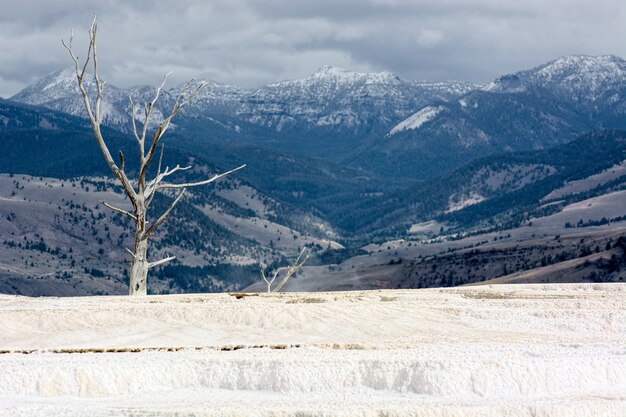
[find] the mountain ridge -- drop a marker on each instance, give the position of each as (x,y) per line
(364,119)
(57,90)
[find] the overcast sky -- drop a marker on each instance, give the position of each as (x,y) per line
(253,42)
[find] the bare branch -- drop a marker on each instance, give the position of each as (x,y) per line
(121,160)
(89,49)
(80,73)
(196,184)
(131,253)
(148,110)
(95,118)
(96,76)
(164,216)
(166,173)
(151,188)
(290,271)
(184,97)
(269,282)
(162,261)
(119,210)
(68,46)
(160,159)
(295,267)
(128,187)
(132,118)
(146,160)
(169,172)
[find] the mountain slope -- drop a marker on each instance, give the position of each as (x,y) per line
(489,187)
(337,105)
(532,109)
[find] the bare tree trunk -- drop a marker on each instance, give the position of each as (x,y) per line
(139,264)
(139,267)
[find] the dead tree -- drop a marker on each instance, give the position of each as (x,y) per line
(139,191)
(289,271)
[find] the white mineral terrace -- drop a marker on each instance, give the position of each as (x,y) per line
(510,350)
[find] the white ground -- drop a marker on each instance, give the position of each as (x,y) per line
(525,350)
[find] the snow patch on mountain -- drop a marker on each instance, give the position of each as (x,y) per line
(457,203)
(416,120)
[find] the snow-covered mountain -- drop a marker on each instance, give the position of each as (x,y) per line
(214,98)
(59,91)
(586,82)
(531,109)
(575,77)
(335,97)
(380,122)
(331,97)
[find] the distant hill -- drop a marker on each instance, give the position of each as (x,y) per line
(492,191)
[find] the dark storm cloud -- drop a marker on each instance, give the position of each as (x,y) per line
(254,42)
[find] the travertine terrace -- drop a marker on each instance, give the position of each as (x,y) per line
(509,350)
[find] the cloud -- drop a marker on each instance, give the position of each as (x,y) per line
(253,42)
(429,38)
